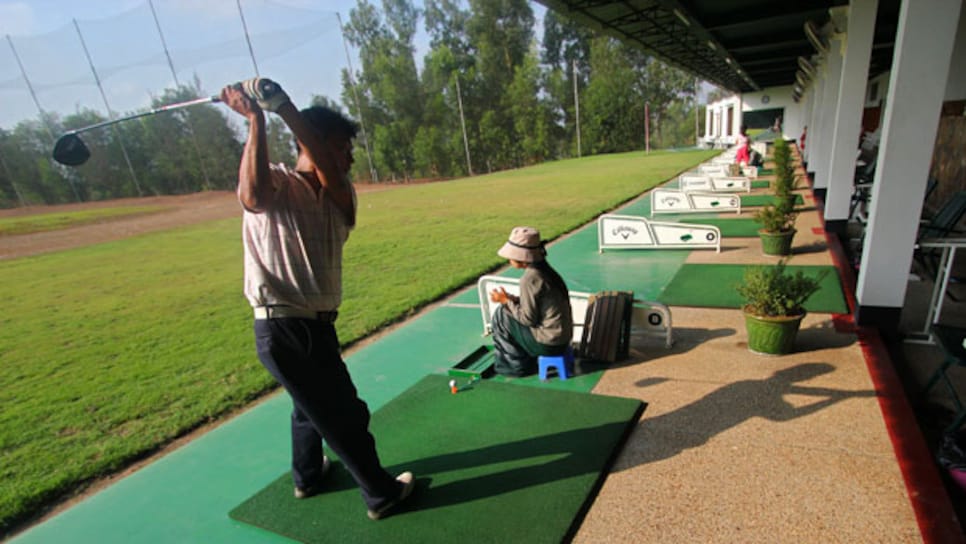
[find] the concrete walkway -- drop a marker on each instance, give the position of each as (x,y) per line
(816,446)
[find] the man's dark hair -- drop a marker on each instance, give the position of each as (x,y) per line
(328,121)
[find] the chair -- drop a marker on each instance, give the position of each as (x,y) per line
(951,341)
(946,219)
(938,226)
(563,363)
(941,225)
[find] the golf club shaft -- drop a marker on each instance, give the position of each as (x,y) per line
(179,105)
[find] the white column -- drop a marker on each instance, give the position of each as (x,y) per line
(809,103)
(826,116)
(920,69)
(739,114)
(849,106)
(814,134)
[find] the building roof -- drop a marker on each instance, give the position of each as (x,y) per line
(741,45)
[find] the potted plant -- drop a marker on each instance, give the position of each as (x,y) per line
(774,306)
(785,178)
(778,220)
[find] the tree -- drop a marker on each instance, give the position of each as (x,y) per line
(614,105)
(438,149)
(566,46)
(500,33)
(533,122)
(388,80)
(449,77)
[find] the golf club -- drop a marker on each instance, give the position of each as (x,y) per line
(70,150)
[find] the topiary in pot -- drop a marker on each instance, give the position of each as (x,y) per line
(777,227)
(785,179)
(774,306)
(778,220)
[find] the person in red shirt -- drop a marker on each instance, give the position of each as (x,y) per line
(743,156)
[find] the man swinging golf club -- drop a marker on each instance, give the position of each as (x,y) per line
(295,222)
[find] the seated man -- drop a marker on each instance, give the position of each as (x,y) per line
(539,321)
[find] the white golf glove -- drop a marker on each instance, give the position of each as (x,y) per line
(268,94)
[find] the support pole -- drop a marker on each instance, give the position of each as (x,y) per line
(174,74)
(466,142)
(248,40)
(355,93)
(647,127)
(110,113)
(576,109)
(43,115)
(6,170)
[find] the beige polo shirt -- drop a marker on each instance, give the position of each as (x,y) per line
(293,250)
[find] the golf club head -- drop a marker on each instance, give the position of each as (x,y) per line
(70,150)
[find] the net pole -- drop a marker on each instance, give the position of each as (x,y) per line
(45,120)
(355,93)
(30,88)
(174,74)
(647,127)
(576,108)
(466,143)
(110,112)
(6,170)
(248,40)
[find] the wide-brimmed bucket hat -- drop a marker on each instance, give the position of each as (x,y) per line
(524,245)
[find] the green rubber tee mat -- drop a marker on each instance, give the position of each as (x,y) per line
(713,286)
(495,462)
(751,201)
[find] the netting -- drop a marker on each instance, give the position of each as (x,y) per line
(302,49)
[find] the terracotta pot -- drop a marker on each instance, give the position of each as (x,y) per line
(772,335)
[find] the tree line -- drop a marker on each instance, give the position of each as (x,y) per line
(488,97)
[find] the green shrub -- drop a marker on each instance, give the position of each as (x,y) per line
(778,217)
(771,291)
(781,216)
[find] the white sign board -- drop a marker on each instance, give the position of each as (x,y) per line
(676,201)
(730,184)
(633,232)
(724,184)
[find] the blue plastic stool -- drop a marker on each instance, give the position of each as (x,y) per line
(563,363)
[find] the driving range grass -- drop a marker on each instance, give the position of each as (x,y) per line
(55,221)
(111,351)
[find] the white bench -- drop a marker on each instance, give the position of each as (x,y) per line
(647,318)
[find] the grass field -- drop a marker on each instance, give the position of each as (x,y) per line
(54,221)
(111,351)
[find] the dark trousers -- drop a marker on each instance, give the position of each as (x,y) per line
(515,347)
(303,355)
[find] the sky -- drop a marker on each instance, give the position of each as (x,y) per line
(51,46)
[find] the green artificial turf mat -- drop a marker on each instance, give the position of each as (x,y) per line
(760,184)
(731,227)
(494,463)
(748,201)
(713,286)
